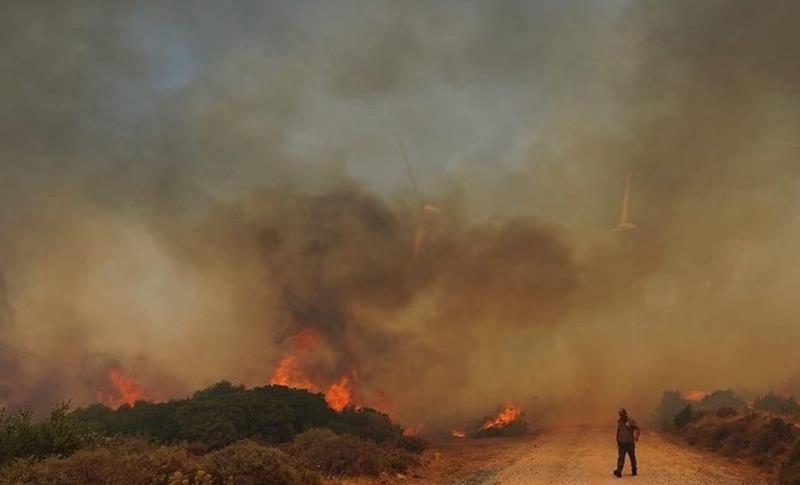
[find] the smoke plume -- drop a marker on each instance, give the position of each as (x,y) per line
(188,187)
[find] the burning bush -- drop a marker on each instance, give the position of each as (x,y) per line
(326,452)
(508,421)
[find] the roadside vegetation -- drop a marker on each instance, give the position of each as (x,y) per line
(222,435)
(764,433)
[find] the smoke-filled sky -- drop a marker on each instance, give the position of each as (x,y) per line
(188,185)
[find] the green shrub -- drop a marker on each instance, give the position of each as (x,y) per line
(59,434)
(772,437)
(309,410)
(136,462)
(130,462)
(216,416)
(368,424)
(211,419)
(760,439)
(789,473)
(414,444)
(774,403)
(326,452)
(248,463)
(721,398)
(373,425)
(671,403)
(224,419)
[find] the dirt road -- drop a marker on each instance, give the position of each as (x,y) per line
(566,456)
(588,455)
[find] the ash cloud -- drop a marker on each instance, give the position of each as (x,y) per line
(197,180)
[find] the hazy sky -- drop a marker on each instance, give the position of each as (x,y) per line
(207,179)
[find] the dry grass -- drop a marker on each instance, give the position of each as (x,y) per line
(136,462)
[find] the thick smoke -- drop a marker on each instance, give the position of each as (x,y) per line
(187,187)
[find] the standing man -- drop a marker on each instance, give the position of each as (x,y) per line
(627,436)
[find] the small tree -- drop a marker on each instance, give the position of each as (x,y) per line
(684,417)
(772,402)
(60,434)
(721,398)
(671,403)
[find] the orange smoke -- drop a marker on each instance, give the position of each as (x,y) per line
(508,415)
(306,339)
(431,209)
(126,390)
(427,211)
(419,238)
(694,395)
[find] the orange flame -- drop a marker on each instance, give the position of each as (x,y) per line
(289,370)
(457,433)
(508,415)
(289,373)
(126,390)
(340,394)
(694,395)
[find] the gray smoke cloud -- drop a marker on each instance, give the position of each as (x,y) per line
(188,186)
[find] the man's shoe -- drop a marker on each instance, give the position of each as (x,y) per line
(634,473)
(617,473)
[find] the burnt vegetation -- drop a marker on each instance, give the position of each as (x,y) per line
(222,434)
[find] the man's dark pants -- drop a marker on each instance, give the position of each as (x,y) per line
(630,449)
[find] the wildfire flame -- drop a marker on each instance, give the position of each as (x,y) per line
(340,394)
(126,389)
(695,395)
(510,413)
(291,371)
(459,434)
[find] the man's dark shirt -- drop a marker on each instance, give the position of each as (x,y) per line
(625,430)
